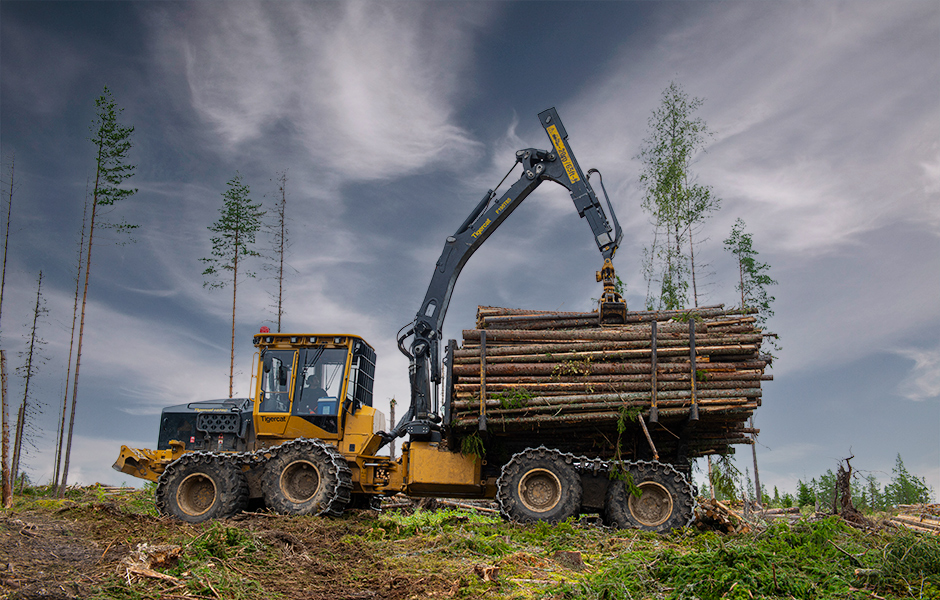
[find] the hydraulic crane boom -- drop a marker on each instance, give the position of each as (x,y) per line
(558,165)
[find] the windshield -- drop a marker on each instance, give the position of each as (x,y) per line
(319,385)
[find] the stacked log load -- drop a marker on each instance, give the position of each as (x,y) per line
(680,384)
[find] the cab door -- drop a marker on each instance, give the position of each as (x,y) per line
(276,385)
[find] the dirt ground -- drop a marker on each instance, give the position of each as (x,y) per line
(83,551)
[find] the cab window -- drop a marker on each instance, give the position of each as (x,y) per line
(319,385)
(276,380)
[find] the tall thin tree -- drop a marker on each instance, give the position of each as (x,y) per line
(60,447)
(752,284)
(6,485)
(33,359)
(676,204)
(281,241)
(112,143)
(232,244)
(7,488)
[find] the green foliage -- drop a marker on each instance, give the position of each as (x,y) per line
(514,398)
(572,367)
(725,477)
(805,561)
(905,488)
(113,143)
(675,203)
(805,495)
(753,279)
(472,444)
(235,231)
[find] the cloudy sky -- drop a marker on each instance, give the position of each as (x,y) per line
(393,118)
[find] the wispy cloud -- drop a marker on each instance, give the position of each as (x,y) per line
(367,88)
(923,382)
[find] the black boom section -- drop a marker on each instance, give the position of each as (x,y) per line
(558,165)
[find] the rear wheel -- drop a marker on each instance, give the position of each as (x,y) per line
(665,499)
(539,484)
(199,487)
(307,477)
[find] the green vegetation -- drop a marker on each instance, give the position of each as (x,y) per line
(445,553)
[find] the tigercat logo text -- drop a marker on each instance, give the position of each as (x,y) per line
(503,206)
(477,233)
(563,153)
(274,419)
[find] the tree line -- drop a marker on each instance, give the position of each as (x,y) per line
(233,245)
(820,493)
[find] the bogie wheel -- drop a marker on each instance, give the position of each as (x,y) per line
(307,477)
(539,484)
(665,499)
(200,487)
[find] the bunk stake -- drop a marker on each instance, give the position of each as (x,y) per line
(482,422)
(654,408)
(693,413)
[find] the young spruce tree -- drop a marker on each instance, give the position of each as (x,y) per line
(232,245)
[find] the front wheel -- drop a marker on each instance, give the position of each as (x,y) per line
(663,501)
(307,477)
(539,484)
(200,487)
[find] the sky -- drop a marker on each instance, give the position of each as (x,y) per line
(392,119)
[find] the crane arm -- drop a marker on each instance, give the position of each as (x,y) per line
(558,165)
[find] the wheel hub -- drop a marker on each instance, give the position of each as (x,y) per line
(300,481)
(540,490)
(653,506)
(196,494)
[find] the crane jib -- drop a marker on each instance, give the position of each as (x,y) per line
(563,153)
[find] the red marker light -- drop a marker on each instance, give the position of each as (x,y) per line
(264,329)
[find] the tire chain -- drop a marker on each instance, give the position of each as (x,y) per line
(583,465)
(160,499)
(340,495)
(342,491)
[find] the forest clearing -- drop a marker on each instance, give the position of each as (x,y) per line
(109,543)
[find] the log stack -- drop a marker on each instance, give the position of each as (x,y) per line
(677,383)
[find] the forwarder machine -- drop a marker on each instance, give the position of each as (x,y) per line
(308,440)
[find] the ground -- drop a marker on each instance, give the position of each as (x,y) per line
(98,546)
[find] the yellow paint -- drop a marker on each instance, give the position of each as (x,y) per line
(432,469)
(563,153)
(145,463)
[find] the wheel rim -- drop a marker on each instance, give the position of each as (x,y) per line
(540,490)
(653,506)
(196,494)
(300,481)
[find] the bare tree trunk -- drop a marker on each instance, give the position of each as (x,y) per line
(282,209)
(231,365)
(7,485)
(6,237)
(30,355)
(68,373)
(760,496)
(81,332)
(711,479)
(692,259)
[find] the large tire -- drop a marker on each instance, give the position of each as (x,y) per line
(307,477)
(666,501)
(200,487)
(539,484)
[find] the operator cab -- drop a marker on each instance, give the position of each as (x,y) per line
(309,385)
